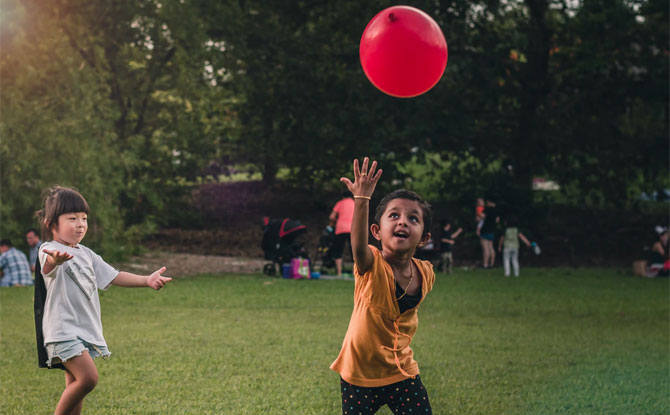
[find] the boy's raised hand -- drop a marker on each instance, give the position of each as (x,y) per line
(365,179)
(156,280)
(56,258)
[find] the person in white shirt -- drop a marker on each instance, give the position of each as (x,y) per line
(73,274)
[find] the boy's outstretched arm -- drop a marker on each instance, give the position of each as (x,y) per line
(54,259)
(155,280)
(362,188)
(524,239)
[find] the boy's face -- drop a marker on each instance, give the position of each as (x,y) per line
(71,228)
(401,225)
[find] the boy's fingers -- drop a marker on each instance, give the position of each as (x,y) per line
(371,172)
(378,175)
(364,168)
(346,181)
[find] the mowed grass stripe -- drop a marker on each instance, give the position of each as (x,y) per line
(557,341)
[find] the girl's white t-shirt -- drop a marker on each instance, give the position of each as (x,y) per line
(72,307)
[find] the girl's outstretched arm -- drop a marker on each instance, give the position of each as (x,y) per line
(362,188)
(155,280)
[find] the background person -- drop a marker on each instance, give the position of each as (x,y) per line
(447,240)
(342,215)
(659,260)
(491,219)
(33,239)
(510,241)
(14,265)
(479,214)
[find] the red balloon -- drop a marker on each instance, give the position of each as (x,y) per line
(403,51)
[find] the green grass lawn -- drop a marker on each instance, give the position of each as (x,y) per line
(551,342)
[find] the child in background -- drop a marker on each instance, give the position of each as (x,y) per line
(510,240)
(376,364)
(479,214)
(447,240)
(72,273)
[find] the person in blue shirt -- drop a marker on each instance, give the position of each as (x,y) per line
(33,239)
(14,265)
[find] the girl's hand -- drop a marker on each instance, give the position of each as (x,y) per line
(156,280)
(57,258)
(364,180)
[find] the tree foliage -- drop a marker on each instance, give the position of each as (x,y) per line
(131,100)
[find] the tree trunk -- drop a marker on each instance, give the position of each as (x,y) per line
(269,172)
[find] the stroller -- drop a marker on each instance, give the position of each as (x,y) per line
(325,248)
(281,243)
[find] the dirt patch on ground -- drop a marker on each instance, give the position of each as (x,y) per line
(182,265)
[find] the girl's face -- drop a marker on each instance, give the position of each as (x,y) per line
(71,228)
(400,228)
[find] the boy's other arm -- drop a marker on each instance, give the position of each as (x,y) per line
(155,280)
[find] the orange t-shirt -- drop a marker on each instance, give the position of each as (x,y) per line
(375,351)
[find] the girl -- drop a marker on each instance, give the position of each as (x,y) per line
(376,364)
(72,274)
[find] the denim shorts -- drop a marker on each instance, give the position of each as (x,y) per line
(60,352)
(487,236)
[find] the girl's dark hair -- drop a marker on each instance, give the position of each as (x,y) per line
(426,210)
(59,201)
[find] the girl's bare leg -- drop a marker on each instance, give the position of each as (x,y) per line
(492,253)
(485,253)
(69,378)
(80,379)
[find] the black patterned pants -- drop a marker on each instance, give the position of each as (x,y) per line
(407,397)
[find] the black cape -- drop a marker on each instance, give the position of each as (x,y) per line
(40,300)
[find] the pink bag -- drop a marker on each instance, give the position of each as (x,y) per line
(299,268)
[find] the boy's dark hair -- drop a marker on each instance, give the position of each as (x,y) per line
(444,222)
(426,210)
(59,201)
(33,230)
(6,242)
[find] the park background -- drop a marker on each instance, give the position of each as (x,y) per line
(184,122)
